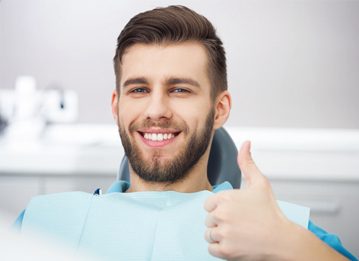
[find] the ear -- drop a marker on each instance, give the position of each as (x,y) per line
(114,104)
(222,107)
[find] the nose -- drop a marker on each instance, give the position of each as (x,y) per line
(158,107)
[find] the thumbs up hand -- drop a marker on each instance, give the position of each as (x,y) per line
(245,224)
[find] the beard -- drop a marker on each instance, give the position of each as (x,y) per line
(175,169)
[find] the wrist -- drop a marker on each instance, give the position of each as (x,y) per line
(298,243)
(285,238)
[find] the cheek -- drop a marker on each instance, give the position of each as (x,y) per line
(128,112)
(193,113)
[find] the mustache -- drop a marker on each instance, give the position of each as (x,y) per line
(161,123)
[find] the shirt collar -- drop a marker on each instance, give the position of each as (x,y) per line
(121,186)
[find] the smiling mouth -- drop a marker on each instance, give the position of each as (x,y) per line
(159,136)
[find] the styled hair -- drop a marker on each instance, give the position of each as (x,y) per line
(175,24)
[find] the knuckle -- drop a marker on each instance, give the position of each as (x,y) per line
(221,213)
(264,183)
(224,196)
(226,251)
(219,234)
(217,214)
(216,250)
(210,220)
(250,162)
(209,201)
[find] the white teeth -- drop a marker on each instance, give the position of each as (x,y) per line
(158,136)
(154,137)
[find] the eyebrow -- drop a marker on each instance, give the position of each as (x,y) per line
(169,81)
(182,80)
(139,80)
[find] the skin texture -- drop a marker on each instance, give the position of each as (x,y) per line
(176,169)
(244,224)
(169,89)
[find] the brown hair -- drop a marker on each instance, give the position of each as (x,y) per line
(175,24)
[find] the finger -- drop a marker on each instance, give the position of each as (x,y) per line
(208,236)
(211,203)
(211,221)
(212,235)
(248,167)
(215,250)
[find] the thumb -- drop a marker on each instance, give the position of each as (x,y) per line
(247,166)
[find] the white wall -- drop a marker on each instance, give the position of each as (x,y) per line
(290,63)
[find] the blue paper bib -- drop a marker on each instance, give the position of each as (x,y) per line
(125,226)
(132,226)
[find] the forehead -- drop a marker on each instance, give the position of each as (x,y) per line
(154,61)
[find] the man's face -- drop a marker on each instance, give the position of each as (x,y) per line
(164,111)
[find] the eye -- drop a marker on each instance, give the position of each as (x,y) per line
(139,90)
(179,90)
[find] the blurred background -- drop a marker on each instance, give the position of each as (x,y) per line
(290,63)
(293,69)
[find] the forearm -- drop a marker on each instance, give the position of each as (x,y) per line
(297,243)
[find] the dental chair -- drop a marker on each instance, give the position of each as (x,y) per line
(222,164)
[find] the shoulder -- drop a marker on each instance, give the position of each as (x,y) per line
(64,199)
(56,204)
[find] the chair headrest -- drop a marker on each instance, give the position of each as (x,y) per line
(222,163)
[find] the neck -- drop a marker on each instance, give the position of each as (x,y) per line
(195,180)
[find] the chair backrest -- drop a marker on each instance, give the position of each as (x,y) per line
(222,164)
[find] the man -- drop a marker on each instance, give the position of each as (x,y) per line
(171,95)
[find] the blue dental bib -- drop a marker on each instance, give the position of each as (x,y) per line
(125,226)
(131,226)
